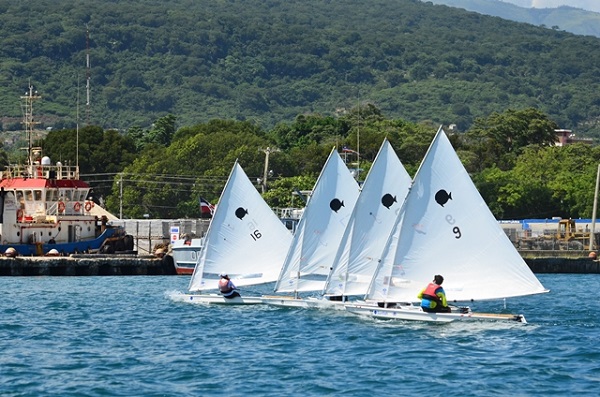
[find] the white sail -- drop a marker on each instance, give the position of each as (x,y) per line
(370,224)
(245,238)
(446,228)
(320,229)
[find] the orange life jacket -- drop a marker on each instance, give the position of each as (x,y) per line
(430,293)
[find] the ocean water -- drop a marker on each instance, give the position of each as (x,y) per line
(125,336)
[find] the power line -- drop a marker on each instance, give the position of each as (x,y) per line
(160,176)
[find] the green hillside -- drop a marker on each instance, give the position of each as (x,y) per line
(268,61)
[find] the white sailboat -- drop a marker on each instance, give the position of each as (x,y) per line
(370,224)
(318,234)
(245,240)
(446,228)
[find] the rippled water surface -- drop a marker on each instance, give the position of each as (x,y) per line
(125,336)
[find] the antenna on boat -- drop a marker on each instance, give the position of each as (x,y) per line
(29,123)
(87,71)
(77,129)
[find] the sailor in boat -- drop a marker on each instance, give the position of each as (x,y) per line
(227,288)
(433,297)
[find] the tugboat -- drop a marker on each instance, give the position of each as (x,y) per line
(45,206)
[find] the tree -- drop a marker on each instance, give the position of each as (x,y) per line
(281,191)
(161,133)
(307,130)
(501,137)
(3,156)
(196,164)
(162,130)
(99,152)
(545,182)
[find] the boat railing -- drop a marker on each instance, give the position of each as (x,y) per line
(41,171)
(53,208)
(289,212)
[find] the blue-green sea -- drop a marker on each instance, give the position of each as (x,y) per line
(125,336)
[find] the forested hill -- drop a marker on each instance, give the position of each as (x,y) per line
(270,60)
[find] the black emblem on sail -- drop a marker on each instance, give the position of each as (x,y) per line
(336,204)
(388,200)
(241,212)
(442,197)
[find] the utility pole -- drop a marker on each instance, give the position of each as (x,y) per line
(267,152)
(593,231)
(121,196)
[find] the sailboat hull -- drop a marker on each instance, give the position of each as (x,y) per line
(219,299)
(414,313)
(303,303)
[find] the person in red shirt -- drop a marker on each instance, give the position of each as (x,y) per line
(227,288)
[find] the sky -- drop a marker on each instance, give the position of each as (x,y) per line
(591,5)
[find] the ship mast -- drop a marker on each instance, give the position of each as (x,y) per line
(29,124)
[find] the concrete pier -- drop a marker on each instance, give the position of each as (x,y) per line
(563,265)
(85,265)
(148,265)
(560,261)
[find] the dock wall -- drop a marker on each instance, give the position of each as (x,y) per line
(563,265)
(84,266)
(147,265)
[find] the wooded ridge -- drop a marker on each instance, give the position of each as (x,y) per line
(268,61)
